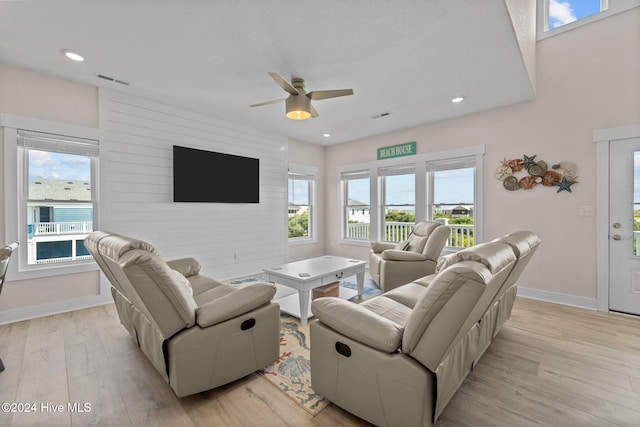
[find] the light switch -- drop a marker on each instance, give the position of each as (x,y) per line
(586,210)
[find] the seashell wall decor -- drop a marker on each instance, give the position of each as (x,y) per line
(527,173)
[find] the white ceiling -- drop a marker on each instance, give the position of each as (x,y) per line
(408,58)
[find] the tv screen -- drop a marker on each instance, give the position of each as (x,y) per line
(206,176)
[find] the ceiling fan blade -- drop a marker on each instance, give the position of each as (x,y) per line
(324,94)
(275,101)
(313,112)
(284,84)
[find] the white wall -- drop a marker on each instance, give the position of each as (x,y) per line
(137,189)
(587,79)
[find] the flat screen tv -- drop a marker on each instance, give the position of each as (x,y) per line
(210,177)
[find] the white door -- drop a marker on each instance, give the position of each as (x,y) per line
(624,243)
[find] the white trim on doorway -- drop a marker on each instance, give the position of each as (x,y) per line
(603,139)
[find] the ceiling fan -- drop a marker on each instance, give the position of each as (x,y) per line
(298,103)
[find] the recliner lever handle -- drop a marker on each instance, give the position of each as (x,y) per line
(248,324)
(343,349)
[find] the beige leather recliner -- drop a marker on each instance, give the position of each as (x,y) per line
(392,265)
(197,332)
(397,359)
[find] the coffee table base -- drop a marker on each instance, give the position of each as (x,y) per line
(290,304)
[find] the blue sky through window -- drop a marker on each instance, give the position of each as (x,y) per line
(299,192)
(51,165)
(563,12)
(359,190)
(450,187)
(454,186)
(401,190)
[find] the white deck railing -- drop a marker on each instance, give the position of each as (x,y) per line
(45,228)
(461,235)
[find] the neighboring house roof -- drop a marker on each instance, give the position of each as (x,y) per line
(59,189)
(353,202)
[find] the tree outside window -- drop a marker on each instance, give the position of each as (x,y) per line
(300,205)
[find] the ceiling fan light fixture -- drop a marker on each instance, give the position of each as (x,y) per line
(298,107)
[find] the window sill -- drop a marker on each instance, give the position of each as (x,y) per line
(40,271)
(353,242)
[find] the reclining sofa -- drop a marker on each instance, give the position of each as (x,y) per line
(197,332)
(397,359)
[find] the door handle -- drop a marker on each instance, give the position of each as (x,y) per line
(616,225)
(616,237)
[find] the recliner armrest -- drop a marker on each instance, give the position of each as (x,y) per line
(378,247)
(236,303)
(358,323)
(398,255)
(186,266)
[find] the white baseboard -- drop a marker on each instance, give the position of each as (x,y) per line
(27,313)
(572,300)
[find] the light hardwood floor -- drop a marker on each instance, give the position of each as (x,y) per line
(550,365)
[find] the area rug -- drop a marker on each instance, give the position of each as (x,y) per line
(291,373)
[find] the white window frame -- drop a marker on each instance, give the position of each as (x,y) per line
(607,8)
(343,204)
(452,164)
(312,173)
(422,189)
(15,181)
(383,173)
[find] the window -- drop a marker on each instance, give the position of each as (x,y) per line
(57,196)
(301,206)
(356,205)
(562,12)
(383,200)
(556,16)
(399,189)
(451,198)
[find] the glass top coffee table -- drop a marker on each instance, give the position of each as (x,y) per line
(307,274)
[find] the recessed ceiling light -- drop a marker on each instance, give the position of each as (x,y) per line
(458,99)
(326,135)
(72,55)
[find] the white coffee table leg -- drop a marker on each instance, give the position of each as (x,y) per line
(304,306)
(360,278)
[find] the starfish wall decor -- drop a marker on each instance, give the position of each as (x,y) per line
(562,175)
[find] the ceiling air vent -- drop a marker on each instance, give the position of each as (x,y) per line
(111,79)
(381,115)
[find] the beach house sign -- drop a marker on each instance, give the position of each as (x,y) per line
(398,150)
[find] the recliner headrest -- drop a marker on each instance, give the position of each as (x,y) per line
(424,228)
(493,255)
(521,241)
(113,246)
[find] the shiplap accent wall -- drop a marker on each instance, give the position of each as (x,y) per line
(136,176)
